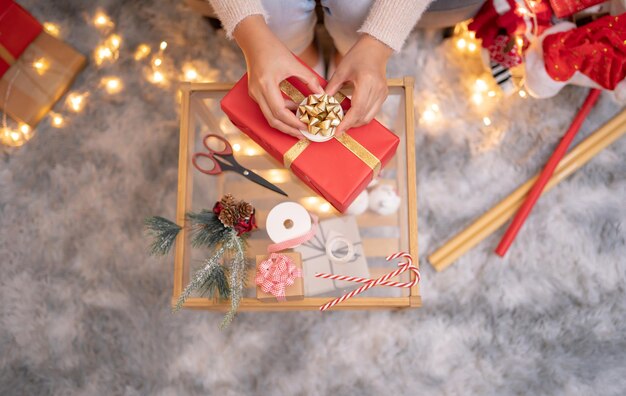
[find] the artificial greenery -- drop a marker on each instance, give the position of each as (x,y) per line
(206,229)
(164,232)
(222,230)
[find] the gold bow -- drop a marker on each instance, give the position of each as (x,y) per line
(346,140)
(321,113)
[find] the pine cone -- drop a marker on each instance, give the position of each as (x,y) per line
(228,216)
(244,210)
(228,201)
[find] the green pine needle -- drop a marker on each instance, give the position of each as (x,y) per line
(206,229)
(237,280)
(215,284)
(164,233)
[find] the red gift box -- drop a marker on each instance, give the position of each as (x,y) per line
(339,169)
(17,30)
(22,42)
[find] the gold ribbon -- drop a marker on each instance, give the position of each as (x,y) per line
(6,55)
(346,140)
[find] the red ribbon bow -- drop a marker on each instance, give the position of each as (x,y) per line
(275,273)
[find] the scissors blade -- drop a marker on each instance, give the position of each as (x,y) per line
(260,181)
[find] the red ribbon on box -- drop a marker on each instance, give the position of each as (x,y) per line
(18,29)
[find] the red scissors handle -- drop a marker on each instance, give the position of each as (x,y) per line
(227,150)
(211,154)
(216,170)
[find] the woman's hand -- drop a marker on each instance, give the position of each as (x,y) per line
(364,66)
(270,62)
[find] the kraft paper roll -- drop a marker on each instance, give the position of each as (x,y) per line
(287,220)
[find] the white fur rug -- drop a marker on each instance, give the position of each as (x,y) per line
(85,311)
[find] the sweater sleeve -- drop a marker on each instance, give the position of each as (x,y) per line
(231,12)
(391,21)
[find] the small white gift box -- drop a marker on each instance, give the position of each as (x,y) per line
(335,248)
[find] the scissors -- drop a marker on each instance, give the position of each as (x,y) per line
(224,160)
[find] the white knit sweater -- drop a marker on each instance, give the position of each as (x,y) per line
(389,21)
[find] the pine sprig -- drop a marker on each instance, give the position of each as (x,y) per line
(216,284)
(208,272)
(164,233)
(206,229)
(237,280)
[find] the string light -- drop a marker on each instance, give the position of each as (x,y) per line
(158,77)
(190,73)
(431,113)
(486,121)
(278,176)
(461,43)
(477,98)
(522,93)
(112,85)
(325,207)
(57,120)
(471,47)
(25,129)
(41,65)
(109,50)
(76,101)
(491,94)
(114,41)
(52,29)
(157,62)
(163,45)
(237,147)
(142,51)
(11,138)
(250,151)
(481,85)
(102,20)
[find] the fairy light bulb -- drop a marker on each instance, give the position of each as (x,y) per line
(157,62)
(114,41)
(237,147)
(163,45)
(471,47)
(158,77)
(486,121)
(481,85)
(191,74)
(491,94)
(522,93)
(52,29)
(477,98)
(461,43)
(76,101)
(325,207)
(41,65)
(57,120)
(112,85)
(431,113)
(102,54)
(142,51)
(428,115)
(102,20)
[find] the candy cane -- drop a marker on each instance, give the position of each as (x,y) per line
(369,283)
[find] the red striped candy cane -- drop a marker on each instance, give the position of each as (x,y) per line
(369,283)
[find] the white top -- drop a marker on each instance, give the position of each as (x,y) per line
(389,21)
